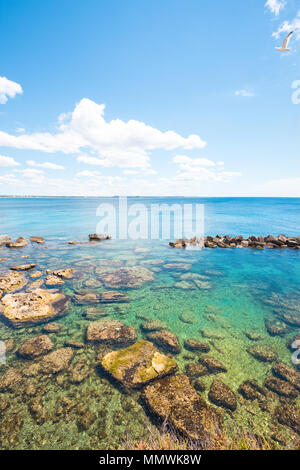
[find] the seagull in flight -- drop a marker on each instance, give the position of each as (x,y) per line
(284,47)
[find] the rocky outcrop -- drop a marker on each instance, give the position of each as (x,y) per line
(56,361)
(262,353)
(64,273)
(23,267)
(287,373)
(127,277)
(29,308)
(12,282)
(137,365)
(52,280)
(18,243)
(153,325)
(213,365)
(251,390)
(111,332)
(113,297)
(177,266)
(166,340)
(281,387)
(187,242)
(222,395)
(173,400)
(194,370)
(87,298)
(276,327)
(289,415)
(37,239)
(197,346)
(99,236)
(4,239)
(35,347)
(11,380)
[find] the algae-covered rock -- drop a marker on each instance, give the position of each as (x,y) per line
(11,380)
(213,365)
(111,332)
(289,415)
(285,372)
(29,308)
(276,327)
(251,390)
(188,317)
(281,387)
(12,281)
(197,346)
(173,400)
(52,328)
(113,297)
(138,364)
(129,277)
(194,370)
(153,325)
(262,352)
(253,335)
(35,347)
(87,298)
(222,395)
(56,361)
(166,340)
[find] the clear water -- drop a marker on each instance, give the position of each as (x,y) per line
(245,287)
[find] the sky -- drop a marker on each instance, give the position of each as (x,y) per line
(149,98)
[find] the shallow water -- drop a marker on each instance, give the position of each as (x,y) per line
(241,287)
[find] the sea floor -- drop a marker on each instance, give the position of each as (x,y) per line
(235,293)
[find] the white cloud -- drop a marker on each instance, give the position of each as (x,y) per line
(117,143)
(184,159)
(275,6)
(288,26)
(8,89)
(92,160)
(244,92)
(48,165)
(201,169)
(30,173)
(87,174)
(7,161)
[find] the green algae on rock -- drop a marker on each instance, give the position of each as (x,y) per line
(166,340)
(262,352)
(113,297)
(111,332)
(127,277)
(35,347)
(174,400)
(29,308)
(197,346)
(221,394)
(138,364)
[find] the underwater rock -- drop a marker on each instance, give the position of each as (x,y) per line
(99,236)
(193,276)
(138,364)
(79,372)
(23,267)
(9,345)
(53,280)
(94,313)
(253,335)
(12,281)
(87,298)
(35,347)
(64,273)
(199,385)
(10,430)
(184,285)
(52,327)
(195,345)
(262,353)
(288,415)
(18,243)
(4,239)
(285,372)
(251,390)
(188,317)
(290,318)
(222,395)
(56,361)
(37,239)
(127,277)
(92,283)
(36,274)
(29,308)
(211,333)
(11,380)
(213,365)
(74,344)
(36,284)
(111,332)
(177,266)
(276,327)
(166,340)
(194,370)
(281,387)
(112,297)
(202,284)
(173,400)
(85,420)
(153,325)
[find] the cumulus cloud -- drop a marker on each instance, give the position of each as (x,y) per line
(7,161)
(245,93)
(48,165)
(201,169)
(116,142)
(288,26)
(275,6)
(8,89)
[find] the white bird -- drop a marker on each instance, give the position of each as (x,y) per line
(284,47)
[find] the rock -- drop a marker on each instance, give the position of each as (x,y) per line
(79,372)
(37,239)
(53,280)
(111,332)
(194,370)
(166,340)
(52,328)
(262,353)
(29,308)
(9,345)
(251,390)
(188,317)
(36,284)
(195,345)
(173,400)
(137,365)
(199,385)
(18,243)
(12,282)
(202,284)
(56,361)
(222,395)
(64,273)
(36,274)
(87,298)
(253,335)
(177,266)
(213,365)
(184,285)
(127,277)
(4,239)
(289,415)
(281,387)
(35,347)
(276,327)
(112,297)
(94,313)
(92,283)
(211,333)
(23,267)
(99,236)
(153,325)
(11,380)
(74,344)
(285,372)
(291,318)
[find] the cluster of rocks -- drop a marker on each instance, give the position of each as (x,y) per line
(20,242)
(225,241)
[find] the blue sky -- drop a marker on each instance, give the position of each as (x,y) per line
(136,97)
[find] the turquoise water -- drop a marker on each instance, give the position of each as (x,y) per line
(241,288)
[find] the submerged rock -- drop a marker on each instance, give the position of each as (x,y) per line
(166,340)
(199,385)
(285,372)
(23,267)
(281,387)
(112,297)
(29,308)
(99,236)
(64,273)
(111,332)
(52,328)
(37,239)
(127,277)
(12,282)
(11,380)
(35,347)
(251,390)
(36,274)
(222,395)
(195,345)
(87,298)
(177,266)
(52,280)
(173,400)
(56,361)
(18,243)
(253,335)
(194,370)
(276,327)
(213,365)
(262,353)
(138,364)
(289,415)
(188,317)
(153,325)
